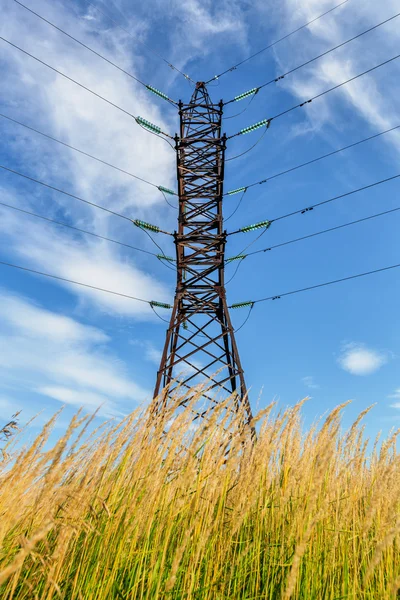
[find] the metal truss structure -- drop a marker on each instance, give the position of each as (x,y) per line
(200,346)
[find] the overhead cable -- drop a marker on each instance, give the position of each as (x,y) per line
(267,223)
(138,119)
(310,162)
(136,222)
(312,287)
(148,87)
(53,139)
(63,224)
(167,62)
(255,90)
(242,256)
(267,122)
(277,41)
(92,287)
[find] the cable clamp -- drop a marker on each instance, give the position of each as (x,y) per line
(307,210)
(276,298)
(306,102)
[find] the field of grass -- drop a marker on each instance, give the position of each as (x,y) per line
(132,512)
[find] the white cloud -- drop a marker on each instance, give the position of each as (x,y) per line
(310,382)
(38,96)
(62,358)
(95,263)
(376,105)
(360,360)
(396,396)
(35,322)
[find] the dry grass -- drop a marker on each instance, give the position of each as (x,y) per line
(130,512)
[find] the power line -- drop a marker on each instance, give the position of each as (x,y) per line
(314,160)
(93,287)
(268,121)
(164,96)
(308,62)
(312,206)
(313,287)
(241,256)
(167,62)
(102,237)
(53,139)
(277,42)
(79,84)
(52,187)
(248,149)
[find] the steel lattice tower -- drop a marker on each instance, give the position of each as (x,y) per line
(200,345)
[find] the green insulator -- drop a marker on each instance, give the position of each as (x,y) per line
(241,189)
(238,257)
(162,257)
(160,304)
(261,225)
(148,125)
(144,225)
(242,304)
(246,94)
(166,190)
(157,92)
(266,122)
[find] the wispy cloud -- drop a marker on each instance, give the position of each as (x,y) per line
(357,359)
(68,112)
(396,396)
(310,382)
(59,357)
(365,96)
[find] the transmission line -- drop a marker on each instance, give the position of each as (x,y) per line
(63,224)
(313,287)
(93,287)
(139,120)
(267,122)
(309,162)
(137,222)
(308,62)
(242,256)
(167,62)
(267,223)
(276,42)
(53,139)
(148,87)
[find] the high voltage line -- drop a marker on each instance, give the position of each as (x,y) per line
(276,42)
(59,190)
(154,303)
(242,256)
(148,87)
(200,333)
(309,162)
(93,287)
(63,224)
(267,122)
(308,62)
(267,223)
(53,139)
(313,287)
(167,62)
(139,120)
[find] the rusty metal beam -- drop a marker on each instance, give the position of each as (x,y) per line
(200,345)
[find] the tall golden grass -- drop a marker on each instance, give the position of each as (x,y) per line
(155,508)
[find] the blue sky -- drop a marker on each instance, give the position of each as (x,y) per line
(62,344)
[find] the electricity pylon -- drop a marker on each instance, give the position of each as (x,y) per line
(200,346)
